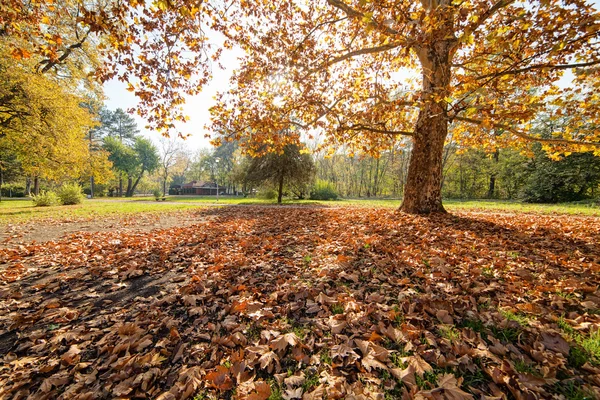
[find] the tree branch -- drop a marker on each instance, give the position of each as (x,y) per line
(375,130)
(525,136)
(539,66)
(484,17)
(51,63)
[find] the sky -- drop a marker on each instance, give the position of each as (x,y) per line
(196,107)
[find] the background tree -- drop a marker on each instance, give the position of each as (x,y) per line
(170,151)
(292,167)
(123,159)
(147,160)
(117,124)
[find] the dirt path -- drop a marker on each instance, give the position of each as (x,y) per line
(22,233)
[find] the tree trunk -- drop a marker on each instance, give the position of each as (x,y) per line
(28,186)
(165,187)
(423,191)
(492,187)
(120,185)
(130,187)
(129,192)
(36,185)
(92,187)
(280,189)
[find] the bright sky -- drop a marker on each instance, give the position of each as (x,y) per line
(196,107)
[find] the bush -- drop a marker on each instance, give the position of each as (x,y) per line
(13,190)
(45,199)
(267,194)
(157,194)
(323,190)
(70,193)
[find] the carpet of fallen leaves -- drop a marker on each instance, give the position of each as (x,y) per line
(293,303)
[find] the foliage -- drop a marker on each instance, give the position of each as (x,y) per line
(574,177)
(323,190)
(267,194)
(377,312)
(117,124)
(157,194)
(292,168)
(132,161)
(41,120)
(70,193)
(46,198)
(13,190)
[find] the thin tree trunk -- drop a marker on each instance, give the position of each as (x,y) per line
(131,188)
(28,186)
(129,192)
(36,185)
(120,185)
(280,189)
(492,187)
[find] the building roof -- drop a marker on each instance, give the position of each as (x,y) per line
(199,184)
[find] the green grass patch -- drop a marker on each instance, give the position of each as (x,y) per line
(572,390)
(519,318)
(427,381)
(582,208)
(337,309)
(506,335)
(586,348)
(449,332)
(18,211)
(523,368)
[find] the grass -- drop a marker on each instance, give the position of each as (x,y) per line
(583,208)
(586,347)
(14,211)
(22,210)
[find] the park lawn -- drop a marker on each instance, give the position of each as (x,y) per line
(12,211)
(581,208)
(16,211)
(256,302)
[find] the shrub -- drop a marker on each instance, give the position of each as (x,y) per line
(157,194)
(45,199)
(267,194)
(323,190)
(13,190)
(70,193)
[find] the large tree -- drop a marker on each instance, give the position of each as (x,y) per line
(341,67)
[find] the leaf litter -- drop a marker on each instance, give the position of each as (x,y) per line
(307,303)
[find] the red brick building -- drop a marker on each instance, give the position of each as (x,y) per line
(200,188)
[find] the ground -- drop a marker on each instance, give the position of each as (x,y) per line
(307,302)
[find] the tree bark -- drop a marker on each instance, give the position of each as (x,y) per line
(423,191)
(36,185)
(129,192)
(492,186)
(280,189)
(131,188)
